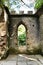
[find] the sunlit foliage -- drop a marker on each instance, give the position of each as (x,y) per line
(38,4)
(21,35)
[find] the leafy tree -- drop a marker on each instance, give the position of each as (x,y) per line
(38,4)
(5,2)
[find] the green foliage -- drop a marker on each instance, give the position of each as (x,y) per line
(9,3)
(1,3)
(22,39)
(38,4)
(21,35)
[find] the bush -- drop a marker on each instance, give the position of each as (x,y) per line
(22,39)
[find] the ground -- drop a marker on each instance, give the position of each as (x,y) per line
(22,59)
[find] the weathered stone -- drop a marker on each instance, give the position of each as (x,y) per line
(30,12)
(22,49)
(0,11)
(41,32)
(34,32)
(3,33)
(21,12)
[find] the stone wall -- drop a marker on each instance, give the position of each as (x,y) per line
(8,33)
(41,31)
(32,33)
(3,35)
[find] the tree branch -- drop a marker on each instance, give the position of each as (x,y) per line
(25,3)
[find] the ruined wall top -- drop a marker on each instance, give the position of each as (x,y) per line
(39,12)
(21,12)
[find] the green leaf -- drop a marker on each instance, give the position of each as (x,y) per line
(38,4)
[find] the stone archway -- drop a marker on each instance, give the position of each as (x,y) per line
(14,35)
(22,34)
(32,40)
(27,37)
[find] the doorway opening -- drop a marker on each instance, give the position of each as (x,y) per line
(21,37)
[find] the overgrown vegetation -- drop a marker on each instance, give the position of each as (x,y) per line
(22,39)
(21,35)
(38,4)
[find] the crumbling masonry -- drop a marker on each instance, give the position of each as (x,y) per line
(9,23)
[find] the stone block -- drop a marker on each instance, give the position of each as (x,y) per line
(21,12)
(13,12)
(30,12)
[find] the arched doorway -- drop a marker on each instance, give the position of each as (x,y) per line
(22,38)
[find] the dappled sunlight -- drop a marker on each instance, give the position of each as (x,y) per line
(21,29)
(32,59)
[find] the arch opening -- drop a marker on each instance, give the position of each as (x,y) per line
(21,35)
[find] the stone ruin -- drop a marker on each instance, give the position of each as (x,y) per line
(3,33)
(9,23)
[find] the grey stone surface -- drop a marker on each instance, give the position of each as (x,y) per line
(22,60)
(39,58)
(22,63)
(32,33)
(41,31)
(8,63)
(32,63)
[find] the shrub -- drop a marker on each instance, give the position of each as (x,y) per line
(22,39)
